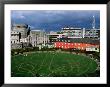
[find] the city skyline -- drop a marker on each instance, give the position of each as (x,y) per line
(54,20)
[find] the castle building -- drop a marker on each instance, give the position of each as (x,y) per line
(15,37)
(38,37)
(21,28)
(19,35)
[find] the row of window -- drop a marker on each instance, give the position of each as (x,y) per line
(15,41)
(17,46)
(69,47)
(15,32)
(69,44)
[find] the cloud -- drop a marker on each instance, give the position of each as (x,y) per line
(55,19)
(22,17)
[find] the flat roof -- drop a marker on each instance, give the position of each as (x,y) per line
(81,40)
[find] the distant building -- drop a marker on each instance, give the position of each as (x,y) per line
(68,37)
(19,33)
(24,40)
(21,28)
(38,37)
(92,48)
(92,33)
(53,37)
(15,40)
(81,32)
(15,37)
(16,45)
(77,43)
(72,32)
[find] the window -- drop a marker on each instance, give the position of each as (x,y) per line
(95,48)
(18,26)
(78,47)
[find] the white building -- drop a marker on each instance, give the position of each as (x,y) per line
(24,40)
(15,40)
(81,32)
(15,37)
(73,32)
(53,36)
(92,48)
(38,37)
(92,33)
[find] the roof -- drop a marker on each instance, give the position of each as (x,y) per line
(80,40)
(19,25)
(35,30)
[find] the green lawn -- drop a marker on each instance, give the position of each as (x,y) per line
(50,64)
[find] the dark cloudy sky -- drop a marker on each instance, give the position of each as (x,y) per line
(54,20)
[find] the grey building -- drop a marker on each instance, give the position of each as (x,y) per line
(22,28)
(19,36)
(81,32)
(15,37)
(92,33)
(73,32)
(16,45)
(38,37)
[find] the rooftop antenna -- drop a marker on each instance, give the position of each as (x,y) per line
(93,23)
(93,26)
(44,36)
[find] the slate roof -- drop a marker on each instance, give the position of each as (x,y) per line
(80,40)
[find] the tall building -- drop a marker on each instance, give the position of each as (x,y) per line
(73,32)
(38,37)
(15,40)
(22,28)
(81,32)
(92,33)
(15,37)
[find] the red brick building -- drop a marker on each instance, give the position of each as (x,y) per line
(76,43)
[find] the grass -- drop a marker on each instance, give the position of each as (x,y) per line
(50,64)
